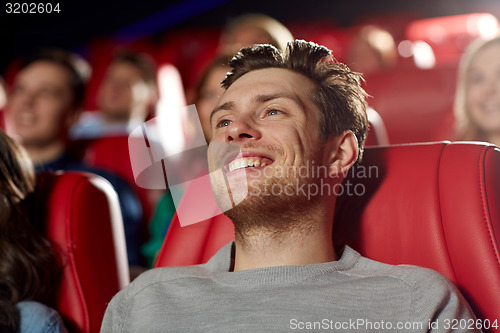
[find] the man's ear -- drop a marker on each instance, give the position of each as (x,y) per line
(342,153)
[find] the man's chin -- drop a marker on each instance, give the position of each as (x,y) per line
(267,206)
(228,191)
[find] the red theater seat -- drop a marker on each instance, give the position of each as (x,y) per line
(83,220)
(108,153)
(416,104)
(435,205)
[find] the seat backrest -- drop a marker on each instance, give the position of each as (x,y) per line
(435,205)
(83,220)
(111,153)
(414,103)
(432,205)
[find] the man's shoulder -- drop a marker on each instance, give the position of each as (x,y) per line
(152,295)
(401,271)
(166,276)
(422,281)
(171,273)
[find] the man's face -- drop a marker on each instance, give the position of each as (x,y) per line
(122,91)
(40,104)
(268,114)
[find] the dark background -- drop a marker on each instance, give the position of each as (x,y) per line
(80,21)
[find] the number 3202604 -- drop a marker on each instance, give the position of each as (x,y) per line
(31,8)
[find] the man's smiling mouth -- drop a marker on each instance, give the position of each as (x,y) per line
(251,161)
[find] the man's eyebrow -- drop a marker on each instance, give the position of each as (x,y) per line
(226,106)
(269,97)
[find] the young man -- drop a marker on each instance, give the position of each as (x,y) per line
(45,99)
(297,118)
(124,98)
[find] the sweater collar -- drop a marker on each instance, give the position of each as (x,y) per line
(220,263)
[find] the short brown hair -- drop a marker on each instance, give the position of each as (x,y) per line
(339,95)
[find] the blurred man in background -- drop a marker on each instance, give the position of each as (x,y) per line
(124,99)
(44,101)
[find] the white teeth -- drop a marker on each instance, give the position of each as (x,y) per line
(245,162)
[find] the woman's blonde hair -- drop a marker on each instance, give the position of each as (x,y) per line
(465,128)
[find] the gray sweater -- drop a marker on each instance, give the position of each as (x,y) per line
(353,294)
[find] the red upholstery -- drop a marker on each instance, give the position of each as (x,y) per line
(449,35)
(448,196)
(108,153)
(83,219)
(415,104)
(435,205)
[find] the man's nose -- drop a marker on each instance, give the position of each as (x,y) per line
(242,129)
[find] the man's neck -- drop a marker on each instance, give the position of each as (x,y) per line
(45,154)
(297,246)
(112,120)
(125,118)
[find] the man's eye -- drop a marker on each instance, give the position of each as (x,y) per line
(223,123)
(273,112)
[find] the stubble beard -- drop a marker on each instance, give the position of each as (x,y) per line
(266,210)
